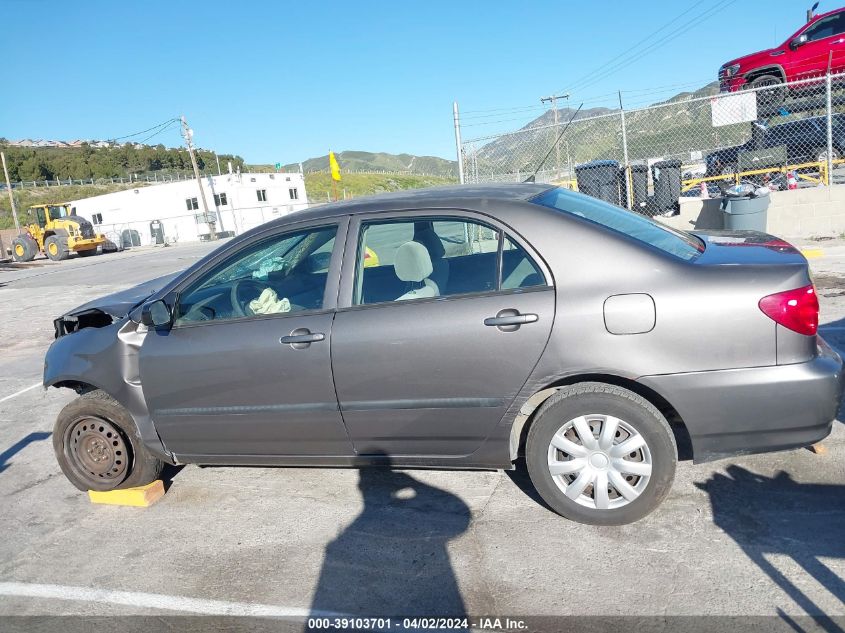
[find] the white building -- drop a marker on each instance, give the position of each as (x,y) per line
(238,201)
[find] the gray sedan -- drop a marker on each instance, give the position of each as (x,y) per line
(461,327)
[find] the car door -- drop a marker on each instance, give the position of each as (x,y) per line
(437,331)
(825,44)
(257,381)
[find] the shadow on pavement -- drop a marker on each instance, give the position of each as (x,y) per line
(392,559)
(19,446)
(775,517)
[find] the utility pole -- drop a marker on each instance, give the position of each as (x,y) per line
(553,99)
(457,118)
(11,197)
(188,133)
(217,158)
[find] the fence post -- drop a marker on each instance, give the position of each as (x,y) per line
(829,130)
(625,154)
(458,147)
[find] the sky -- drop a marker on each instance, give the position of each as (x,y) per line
(284,81)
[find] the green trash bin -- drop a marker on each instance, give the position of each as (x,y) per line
(745,213)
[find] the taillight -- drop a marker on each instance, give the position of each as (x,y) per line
(796,309)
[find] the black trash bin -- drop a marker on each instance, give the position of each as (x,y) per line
(601,179)
(666,176)
(639,187)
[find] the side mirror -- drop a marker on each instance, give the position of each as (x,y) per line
(156,315)
(798,41)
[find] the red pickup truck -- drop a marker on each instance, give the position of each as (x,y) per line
(806,54)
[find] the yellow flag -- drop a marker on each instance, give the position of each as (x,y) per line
(334,166)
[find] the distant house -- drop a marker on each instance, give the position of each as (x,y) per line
(238,202)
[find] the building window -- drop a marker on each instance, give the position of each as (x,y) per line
(192,204)
(262,195)
(97,218)
(294,193)
(220,200)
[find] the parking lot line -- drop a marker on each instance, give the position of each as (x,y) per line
(154,601)
(22,391)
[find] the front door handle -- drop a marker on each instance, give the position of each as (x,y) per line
(301,338)
(509,320)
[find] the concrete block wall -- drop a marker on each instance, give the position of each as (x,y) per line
(801,213)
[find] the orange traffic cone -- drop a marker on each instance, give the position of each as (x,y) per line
(791,181)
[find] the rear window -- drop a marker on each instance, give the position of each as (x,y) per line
(646,230)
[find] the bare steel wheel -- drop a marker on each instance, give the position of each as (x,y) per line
(97,450)
(98,445)
(599,453)
(599,461)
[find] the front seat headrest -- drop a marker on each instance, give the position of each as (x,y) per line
(412,262)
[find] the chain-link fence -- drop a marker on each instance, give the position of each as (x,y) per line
(780,135)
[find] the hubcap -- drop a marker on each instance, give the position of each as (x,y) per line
(96,450)
(599,461)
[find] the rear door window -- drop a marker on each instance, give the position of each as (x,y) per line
(648,231)
(427,258)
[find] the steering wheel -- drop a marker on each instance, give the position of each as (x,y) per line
(241,306)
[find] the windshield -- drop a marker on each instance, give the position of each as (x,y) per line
(641,228)
(265,258)
(57,212)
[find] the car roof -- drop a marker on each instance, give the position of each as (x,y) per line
(429,198)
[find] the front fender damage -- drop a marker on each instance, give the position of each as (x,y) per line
(105,358)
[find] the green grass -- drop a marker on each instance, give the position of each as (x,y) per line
(26,197)
(356,185)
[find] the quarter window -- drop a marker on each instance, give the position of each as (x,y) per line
(280,275)
(424,258)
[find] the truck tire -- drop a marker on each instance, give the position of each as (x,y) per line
(55,247)
(24,249)
(771,92)
(600,454)
(98,446)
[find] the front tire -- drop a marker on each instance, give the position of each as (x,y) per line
(56,248)
(601,454)
(771,92)
(98,446)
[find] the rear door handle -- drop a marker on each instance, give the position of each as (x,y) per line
(510,320)
(301,338)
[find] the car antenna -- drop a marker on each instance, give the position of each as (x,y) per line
(557,140)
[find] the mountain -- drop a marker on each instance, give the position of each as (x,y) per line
(381,161)
(665,129)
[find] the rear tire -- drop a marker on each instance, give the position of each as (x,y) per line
(594,421)
(24,249)
(55,247)
(98,446)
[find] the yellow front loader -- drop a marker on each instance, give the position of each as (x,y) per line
(57,232)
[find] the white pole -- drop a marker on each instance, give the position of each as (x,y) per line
(829,130)
(457,119)
(625,152)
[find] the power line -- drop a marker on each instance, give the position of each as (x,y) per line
(637,45)
(172,124)
(592,80)
(118,138)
